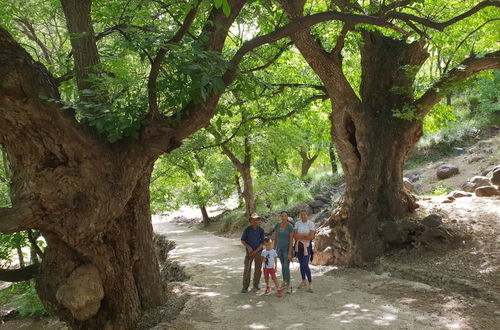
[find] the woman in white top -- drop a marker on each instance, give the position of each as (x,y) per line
(304,233)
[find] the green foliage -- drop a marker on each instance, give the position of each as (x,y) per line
(23,298)
(442,189)
(440,116)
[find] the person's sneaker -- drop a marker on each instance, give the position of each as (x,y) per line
(279,293)
(256,288)
(268,290)
(302,285)
(288,289)
(244,289)
(310,288)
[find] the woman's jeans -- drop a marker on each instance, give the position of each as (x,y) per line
(285,264)
(304,262)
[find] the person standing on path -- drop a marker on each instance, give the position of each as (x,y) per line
(253,241)
(304,233)
(269,260)
(283,243)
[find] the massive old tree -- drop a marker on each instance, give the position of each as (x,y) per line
(81,165)
(376,123)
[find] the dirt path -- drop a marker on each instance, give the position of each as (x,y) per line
(343,299)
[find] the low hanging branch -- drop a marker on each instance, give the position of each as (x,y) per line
(19,275)
(464,70)
(440,26)
(16,218)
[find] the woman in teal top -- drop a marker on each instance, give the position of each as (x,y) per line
(283,236)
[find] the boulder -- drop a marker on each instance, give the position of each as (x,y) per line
(475,159)
(486,191)
(317,205)
(413,176)
(475,182)
(495,176)
(433,220)
(489,170)
(457,194)
(459,151)
(408,185)
(322,198)
(446,170)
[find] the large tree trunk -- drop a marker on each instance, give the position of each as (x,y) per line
(373,145)
(105,281)
(90,201)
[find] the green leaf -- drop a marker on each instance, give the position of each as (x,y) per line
(225,8)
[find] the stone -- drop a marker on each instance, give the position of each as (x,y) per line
(459,151)
(495,176)
(489,170)
(408,185)
(475,159)
(322,198)
(486,191)
(413,176)
(433,220)
(316,205)
(458,194)
(446,170)
(474,182)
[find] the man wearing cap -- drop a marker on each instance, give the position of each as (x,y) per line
(253,241)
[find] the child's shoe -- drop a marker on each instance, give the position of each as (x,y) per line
(280,293)
(268,290)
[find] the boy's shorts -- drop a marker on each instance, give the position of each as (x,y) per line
(269,271)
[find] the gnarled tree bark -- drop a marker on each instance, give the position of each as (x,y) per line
(371,142)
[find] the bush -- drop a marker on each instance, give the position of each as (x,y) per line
(23,298)
(170,271)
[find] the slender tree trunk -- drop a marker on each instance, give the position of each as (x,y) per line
(20,254)
(448,99)
(204,214)
(306,163)
(333,158)
(239,191)
(248,194)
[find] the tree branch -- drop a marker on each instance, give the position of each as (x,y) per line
(464,70)
(34,244)
(440,26)
(447,65)
(19,275)
(16,218)
(299,24)
(270,61)
(160,56)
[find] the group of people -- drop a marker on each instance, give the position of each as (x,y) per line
(289,240)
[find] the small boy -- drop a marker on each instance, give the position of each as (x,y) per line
(269,263)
